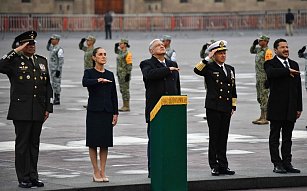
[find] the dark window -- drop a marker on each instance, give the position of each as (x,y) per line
(26,1)
(260,0)
(184,1)
(218,1)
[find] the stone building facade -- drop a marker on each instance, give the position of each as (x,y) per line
(146,6)
(210,6)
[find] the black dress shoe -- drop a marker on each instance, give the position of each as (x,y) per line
(215,172)
(291,169)
(227,171)
(279,169)
(25,184)
(37,183)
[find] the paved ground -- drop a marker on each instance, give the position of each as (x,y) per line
(64,161)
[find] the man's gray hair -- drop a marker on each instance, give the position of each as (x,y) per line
(151,43)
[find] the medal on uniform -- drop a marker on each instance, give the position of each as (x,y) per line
(41,77)
(28,76)
(42,67)
(22,63)
(20,77)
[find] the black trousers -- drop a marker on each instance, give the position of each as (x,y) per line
(27,149)
(286,128)
(218,123)
(108,31)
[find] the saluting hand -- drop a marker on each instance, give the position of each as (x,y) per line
(19,48)
(211,53)
(102,80)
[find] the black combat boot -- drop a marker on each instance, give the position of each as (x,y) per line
(56,100)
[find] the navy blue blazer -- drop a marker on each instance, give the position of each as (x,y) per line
(285,97)
(159,81)
(221,87)
(102,96)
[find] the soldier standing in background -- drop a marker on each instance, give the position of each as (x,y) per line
(124,67)
(263,53)
(170,52)
(30,104)
(108,19)
(88,50)
(289,23)
(56,61)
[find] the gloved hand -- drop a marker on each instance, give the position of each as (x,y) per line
(116,48)
(301,52)
(255,42)
(127,77)
(83,40)
(57,73)
(49,41)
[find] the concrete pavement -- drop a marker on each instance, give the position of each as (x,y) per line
(64,163)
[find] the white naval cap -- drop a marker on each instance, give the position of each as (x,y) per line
(219,45)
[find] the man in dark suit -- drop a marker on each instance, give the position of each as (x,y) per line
(161,77)
(30,104)
(220,104)
(284,105)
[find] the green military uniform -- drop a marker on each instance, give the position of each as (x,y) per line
(30,104)
(88,52)
(124,68)
(262,54)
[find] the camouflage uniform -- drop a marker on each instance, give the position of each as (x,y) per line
(56,61)
(124,67)
(262,54)
(88,52)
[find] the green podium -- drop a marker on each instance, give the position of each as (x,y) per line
(168,128)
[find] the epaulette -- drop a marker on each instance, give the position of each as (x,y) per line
(40,56)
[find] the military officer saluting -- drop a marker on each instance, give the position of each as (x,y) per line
(30,104)
(220,104)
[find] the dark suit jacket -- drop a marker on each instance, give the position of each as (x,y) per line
(221,89)
(285,97)
(159,81)
(102,96)
(31,92)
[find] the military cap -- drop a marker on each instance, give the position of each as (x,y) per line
(264,37)
(125,41)
(28,36)
(219,45)
(55,37)
(90,37)
(166,37)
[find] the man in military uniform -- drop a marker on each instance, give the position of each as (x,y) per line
(56,61)
(263,53)
(30,104)
(88,50)
(220,104)
(124,67)
(170,52)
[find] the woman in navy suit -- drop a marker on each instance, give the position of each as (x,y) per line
(102,112)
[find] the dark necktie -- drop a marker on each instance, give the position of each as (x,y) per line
(164,64)
(286,64)
(31,60)
(222,67)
